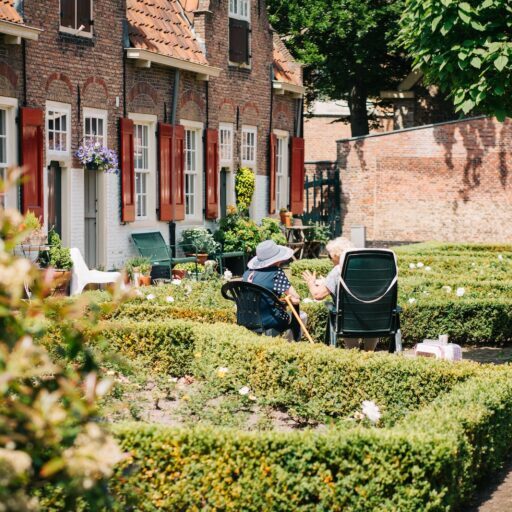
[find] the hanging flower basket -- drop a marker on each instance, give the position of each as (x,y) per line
(96,157)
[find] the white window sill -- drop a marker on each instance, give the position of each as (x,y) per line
(74,32)
(239,65)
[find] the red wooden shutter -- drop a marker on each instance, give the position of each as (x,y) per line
(127,171)
(31,122)
(272,173)
(178,172)
(165,132)
(297,176)
(212,174)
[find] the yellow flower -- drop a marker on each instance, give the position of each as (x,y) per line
(222,371)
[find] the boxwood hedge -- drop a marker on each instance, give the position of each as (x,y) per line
(430,460)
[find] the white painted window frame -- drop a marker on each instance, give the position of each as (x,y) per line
(240,9)
(253,164)
(74,31)
(96,113)
(10,105)
(199,192)
(282,169)
(63,157)
(149,121)
(228,163)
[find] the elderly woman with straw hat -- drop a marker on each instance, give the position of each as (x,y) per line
(265,270)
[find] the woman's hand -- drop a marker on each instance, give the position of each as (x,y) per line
(309,277)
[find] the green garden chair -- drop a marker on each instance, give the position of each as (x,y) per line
(222,256)
(152,245)
(366,298)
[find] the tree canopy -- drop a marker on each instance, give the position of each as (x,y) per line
(465,48)
(349,48)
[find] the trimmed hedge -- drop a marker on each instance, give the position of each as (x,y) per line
(429,461)
(312,382)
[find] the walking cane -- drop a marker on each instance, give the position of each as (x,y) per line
(297,316)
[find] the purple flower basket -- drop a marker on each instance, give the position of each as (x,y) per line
(94,156)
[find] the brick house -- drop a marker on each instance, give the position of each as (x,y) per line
(184,92)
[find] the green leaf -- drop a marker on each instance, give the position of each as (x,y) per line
(435,22)
(477,26)
(464,6)
(501,62)
(500,115)
(486,4)
(464,17)
(476,62)
(499,90)
(467,106)
(462,55)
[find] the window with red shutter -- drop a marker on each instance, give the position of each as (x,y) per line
(165,138)
(31,123)
(127,171)
(178,172)
(212,174)
(297,176)
(272,172)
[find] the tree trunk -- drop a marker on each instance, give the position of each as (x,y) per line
(358,112)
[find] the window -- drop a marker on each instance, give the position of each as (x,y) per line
(95,126)
(239,31)
(249,147)
(141,164)
(57,129)
(282,173)
(192,192)
(226,159)
(76,17)
(4,162)
(240,9)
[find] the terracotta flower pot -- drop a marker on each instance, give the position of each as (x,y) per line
(201,257)
(179,273)
(61,281)
(144,280)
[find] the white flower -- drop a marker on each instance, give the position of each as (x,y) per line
(420,264)
(307,300)
(139,293)
(177,282)
(222,371)
(169,299)
(252,397)
(447,289)
(244,390)
(228,275)
(428,269)
(371,411)
(188,289)
(150,296)
(500,257)
(412,265)
(173,379)
(412,300)
(460,292)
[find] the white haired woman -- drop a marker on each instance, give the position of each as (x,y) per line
(320,289)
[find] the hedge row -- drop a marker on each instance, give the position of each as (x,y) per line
(312,382)
(429,461)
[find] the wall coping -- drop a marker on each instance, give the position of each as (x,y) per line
(413,128)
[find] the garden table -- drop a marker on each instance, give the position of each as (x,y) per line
(296,238)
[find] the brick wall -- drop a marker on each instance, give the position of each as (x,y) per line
(448,182)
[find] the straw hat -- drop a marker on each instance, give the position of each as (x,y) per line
(268,253)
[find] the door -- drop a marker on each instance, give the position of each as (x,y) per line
(55,198)
(91,217)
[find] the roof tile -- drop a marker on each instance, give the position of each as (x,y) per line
(286,69)
(161,26)
(8,12)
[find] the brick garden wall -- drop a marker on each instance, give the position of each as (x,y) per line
(450,182)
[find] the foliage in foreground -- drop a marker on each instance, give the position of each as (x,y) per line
(465,48)
(48,432)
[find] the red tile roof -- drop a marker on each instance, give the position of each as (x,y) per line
(8,12)
(161,26)
(286,69)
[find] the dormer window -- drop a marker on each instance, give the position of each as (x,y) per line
(239,31)
(76,17)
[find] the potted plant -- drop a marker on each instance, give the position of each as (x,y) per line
(96,157)
(138,270)
(316,238)
(199,240)
(286,217)
(181,270)
(58,258)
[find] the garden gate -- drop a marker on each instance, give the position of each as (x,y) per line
(322,199)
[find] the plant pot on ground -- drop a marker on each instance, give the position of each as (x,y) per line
(138,270)
(199,242)
(57,258)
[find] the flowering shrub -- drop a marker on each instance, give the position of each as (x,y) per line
(47,430)
(94,155)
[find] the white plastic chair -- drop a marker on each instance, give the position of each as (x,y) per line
(81,275)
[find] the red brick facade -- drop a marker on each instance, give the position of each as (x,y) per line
(449,182)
